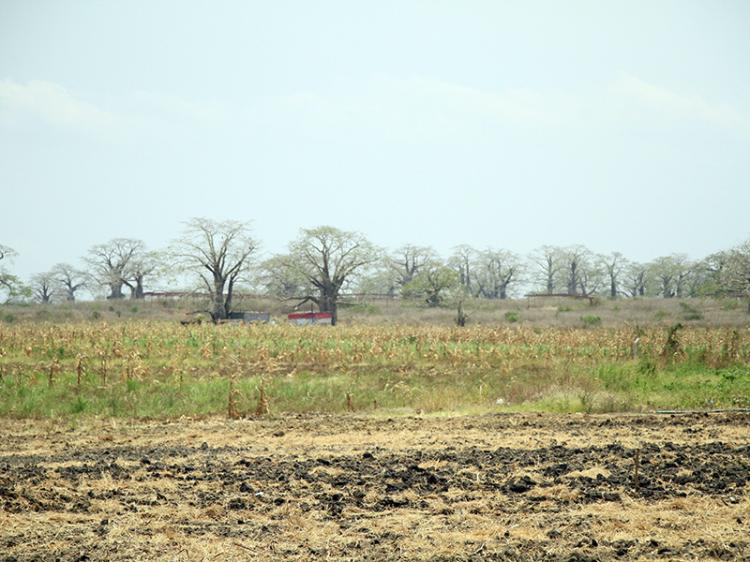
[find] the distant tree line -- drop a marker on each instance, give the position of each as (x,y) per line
(325,262)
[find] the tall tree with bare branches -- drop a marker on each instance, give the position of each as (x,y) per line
(577,261)
(463,260)
(434,281)
(219,253)
(408,260)
(69,279)
(672,273)
(495,271)
(142,265)
(43,287)
(614,264)
(549,263)
(328,258)
(108,263)
(636,279)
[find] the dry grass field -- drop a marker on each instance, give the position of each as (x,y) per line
(350,487)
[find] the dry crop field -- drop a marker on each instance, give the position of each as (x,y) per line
(149,440)
(354,487)
(158,369)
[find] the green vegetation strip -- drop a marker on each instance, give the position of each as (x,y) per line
(608,387)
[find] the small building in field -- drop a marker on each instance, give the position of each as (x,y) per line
(308,318)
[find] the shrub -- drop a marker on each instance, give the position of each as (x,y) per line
(591,321)
(511,316)
(79,406)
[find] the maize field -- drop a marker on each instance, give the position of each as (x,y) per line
(160,369)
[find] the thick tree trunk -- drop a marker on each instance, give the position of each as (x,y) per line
(327,303)
(115,291)
(665,291)
(229,298)
(136,291)
(219,311)
(612,289)
(71,296)
(573,280)
(138,294)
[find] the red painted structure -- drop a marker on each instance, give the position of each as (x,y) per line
(311,317)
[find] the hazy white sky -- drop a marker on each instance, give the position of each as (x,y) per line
(619,125)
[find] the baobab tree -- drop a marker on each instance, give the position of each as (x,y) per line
(328,258)
(636,279)
(590,278)
(462,261)
(495,271)
(433,282)
(43,287)
(138,268)
(549,263)
(108,263)
(671,272)
(69,279)
(576,266)
(218,253)
(684,271)
(614,264)
(408,260)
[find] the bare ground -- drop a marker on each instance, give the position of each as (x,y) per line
(496,487)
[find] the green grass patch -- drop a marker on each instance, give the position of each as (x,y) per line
(551,387)
(591,321)
(511,316)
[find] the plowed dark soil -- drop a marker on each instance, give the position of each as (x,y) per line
(509,487)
